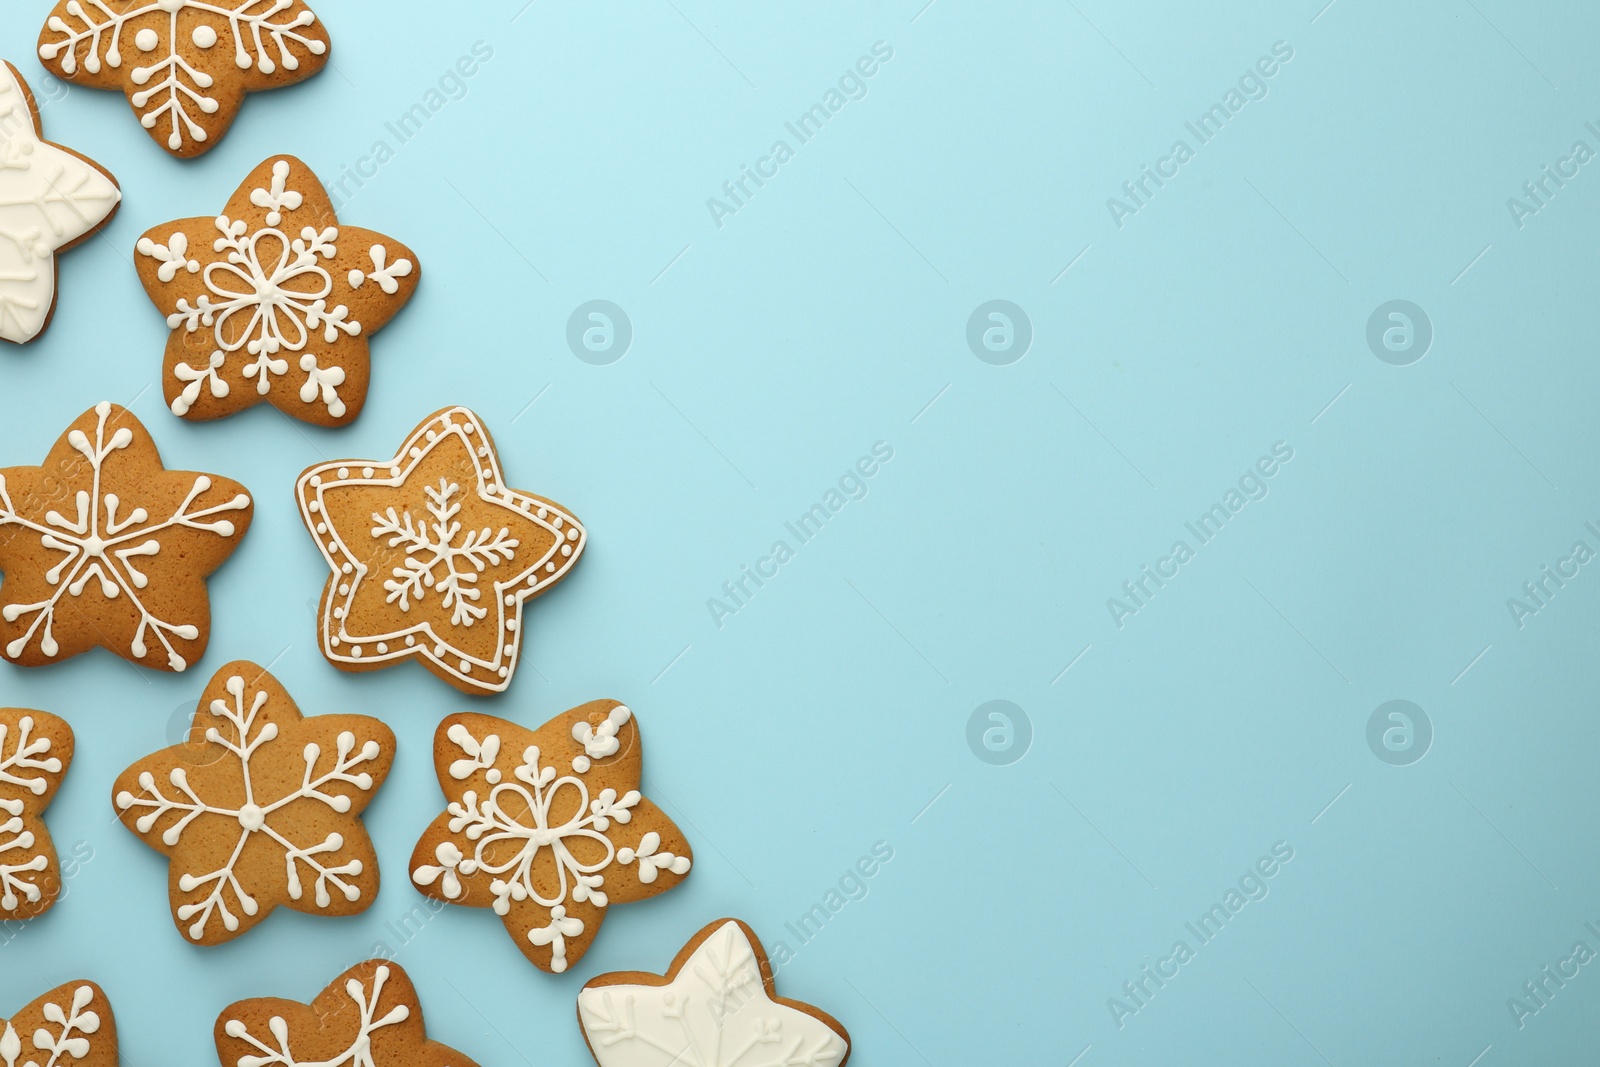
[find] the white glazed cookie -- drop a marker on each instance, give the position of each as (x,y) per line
(367,1017)
(35,751)
(259,808)
(547,827)
(185,65)
(433,555)
(70,1026)
(715,1007)
(51,198)
(272,301)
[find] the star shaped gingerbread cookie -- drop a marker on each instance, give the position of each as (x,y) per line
(71,1024)
(272,300)
(185,65)
(433,555)
(547,827)
(102,545)
(367,1017)
(51,198)
(35,751)
(260,808)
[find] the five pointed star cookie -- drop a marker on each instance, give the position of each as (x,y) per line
(35,751)
(716,1007)
(272,300)
(367,1017)
(70,1025)
(547,827)
(185,65)
(51,198)
(101,545)
(433,555)
(260,808)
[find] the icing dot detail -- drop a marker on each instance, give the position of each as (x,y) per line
(204,37)
(146,40)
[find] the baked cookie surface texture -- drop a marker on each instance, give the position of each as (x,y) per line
(70,1025)
(35,752)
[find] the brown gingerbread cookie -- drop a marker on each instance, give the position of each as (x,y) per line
(51,198)
(70,1025)
(102,545)
(716,1005)
(260,808)
(35,752)
(547,827)
(367,1017)
(272,301)
(185,65)
(433,555)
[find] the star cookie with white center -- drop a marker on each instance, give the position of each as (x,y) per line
(102,545)
(273,300)
(185,65)
(433,555)
(51,198)
(717,1006)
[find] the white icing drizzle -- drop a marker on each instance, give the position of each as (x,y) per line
(48,198)
(73,1040)
(255,815)
(18,856)
(182,86)
(461,567)
(382,272)
(102,546)
(714,1013)
(519,811)
(359,1052)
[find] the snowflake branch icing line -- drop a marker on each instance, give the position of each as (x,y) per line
(252,816)
(489,820)
(91,547)
(430,544)
(22,759)
(78,1021)
(358,1054)
(181,82)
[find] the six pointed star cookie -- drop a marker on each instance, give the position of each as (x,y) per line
(367,1017)
(185,65)
(433,555)
(35,751)
(716,1007)
(261,808)
(51,198)
(71,1024)
(272,300)
(101,545)
(547,827)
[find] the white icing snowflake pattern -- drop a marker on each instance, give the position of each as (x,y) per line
(715,1012)
(269,294)
(164,83)
(49,198)
(102,544)
(240,712)
(440,556)
(359,1052)
(20,862)
(72,1041)
(519,813)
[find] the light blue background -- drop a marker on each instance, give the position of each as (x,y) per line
(828,314)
